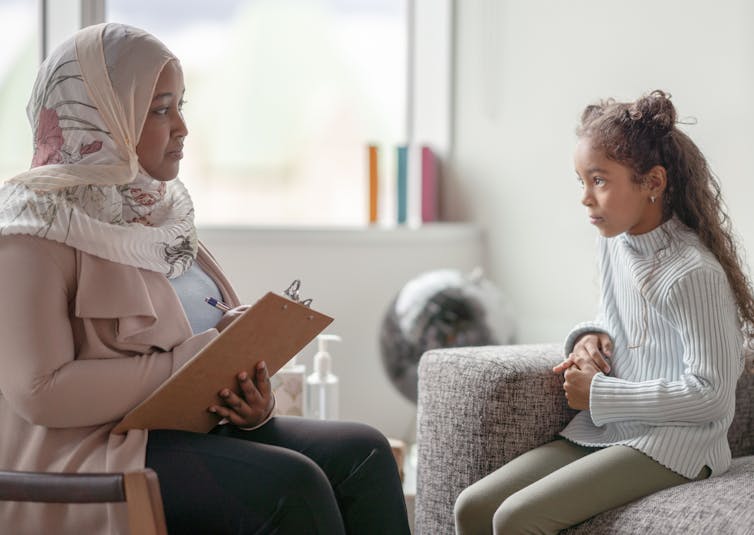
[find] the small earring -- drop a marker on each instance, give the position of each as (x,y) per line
(652,199)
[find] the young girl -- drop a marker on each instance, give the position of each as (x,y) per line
(655,375)
(99,256)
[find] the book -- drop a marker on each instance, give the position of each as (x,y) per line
(429,185)
(274,329)
(372,151)
(402,183)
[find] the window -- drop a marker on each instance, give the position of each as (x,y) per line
(283,97)
(19,42)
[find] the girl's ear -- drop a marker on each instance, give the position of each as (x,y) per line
(656,180)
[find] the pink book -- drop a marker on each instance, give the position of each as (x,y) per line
(429,186)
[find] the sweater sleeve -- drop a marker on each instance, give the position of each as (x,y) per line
(702,310)
(40,377)
(581,329)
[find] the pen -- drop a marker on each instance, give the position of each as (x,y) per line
(217,304)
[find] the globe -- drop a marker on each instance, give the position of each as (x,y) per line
(439,309)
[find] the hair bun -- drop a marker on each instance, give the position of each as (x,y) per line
(592,112)
(655,112)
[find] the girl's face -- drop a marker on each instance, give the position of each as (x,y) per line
(615,203)
(160,147)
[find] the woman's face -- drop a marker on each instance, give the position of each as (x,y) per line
(160,147)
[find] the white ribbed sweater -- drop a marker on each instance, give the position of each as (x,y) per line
(673,397)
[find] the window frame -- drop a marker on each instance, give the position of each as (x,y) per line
(58,19)
(430,61)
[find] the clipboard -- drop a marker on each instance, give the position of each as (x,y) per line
(274,329)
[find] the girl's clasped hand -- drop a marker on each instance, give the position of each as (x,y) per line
(590,356)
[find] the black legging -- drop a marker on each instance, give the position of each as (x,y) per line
(291,476)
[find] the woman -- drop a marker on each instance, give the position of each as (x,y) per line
(98,253)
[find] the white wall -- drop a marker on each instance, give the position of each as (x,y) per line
(352,275)
(524,72)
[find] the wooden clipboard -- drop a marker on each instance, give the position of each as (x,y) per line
(274,329)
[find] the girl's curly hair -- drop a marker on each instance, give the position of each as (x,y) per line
(643,134)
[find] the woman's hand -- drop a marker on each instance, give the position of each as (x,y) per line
(593,347)
(578,382)
(255,404)
(230,316)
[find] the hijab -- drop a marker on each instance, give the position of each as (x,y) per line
(85,187)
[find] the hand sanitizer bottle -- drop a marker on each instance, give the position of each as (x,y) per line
(322,385)
(288,386)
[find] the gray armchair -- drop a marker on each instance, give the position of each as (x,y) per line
(480,407)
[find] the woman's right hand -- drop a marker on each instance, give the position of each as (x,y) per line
(253,404)
(595,347)
(230,316)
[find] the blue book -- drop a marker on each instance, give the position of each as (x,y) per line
(402,186)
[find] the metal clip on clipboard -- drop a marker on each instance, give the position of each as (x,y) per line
(292,292)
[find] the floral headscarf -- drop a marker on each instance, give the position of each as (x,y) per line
(85,187)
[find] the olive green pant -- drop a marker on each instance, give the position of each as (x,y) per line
(559,485)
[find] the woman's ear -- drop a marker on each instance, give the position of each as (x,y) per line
(656,181)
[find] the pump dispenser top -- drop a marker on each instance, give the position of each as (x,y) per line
(322,359)
(322,385)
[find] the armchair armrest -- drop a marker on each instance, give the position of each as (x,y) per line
(478,408)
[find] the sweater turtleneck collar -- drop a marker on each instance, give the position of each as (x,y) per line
(655,240)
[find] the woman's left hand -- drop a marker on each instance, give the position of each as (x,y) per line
(578,381)
(255,404)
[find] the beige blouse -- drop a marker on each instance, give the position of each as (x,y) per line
(84,340)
